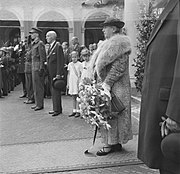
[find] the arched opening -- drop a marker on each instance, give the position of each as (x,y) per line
(56,22)
(93,32)
(9,28)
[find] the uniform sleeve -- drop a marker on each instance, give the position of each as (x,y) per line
(117,70)
(60,60)
(42,54)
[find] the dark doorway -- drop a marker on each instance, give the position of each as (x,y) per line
(93,31)
(60,27)
(9,32)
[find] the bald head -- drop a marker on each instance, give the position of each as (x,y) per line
(51,36)
(74,40)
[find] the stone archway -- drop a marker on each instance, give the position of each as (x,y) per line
(55,21)
(9,28)
(92,30)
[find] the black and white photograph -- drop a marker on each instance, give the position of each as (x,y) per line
(90,86)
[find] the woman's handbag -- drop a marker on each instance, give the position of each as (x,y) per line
(116,104)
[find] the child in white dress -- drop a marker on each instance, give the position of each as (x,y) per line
(85,54)
(74,75)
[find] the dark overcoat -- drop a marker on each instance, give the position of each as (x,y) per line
(161,84)
(55,60)
(56,67)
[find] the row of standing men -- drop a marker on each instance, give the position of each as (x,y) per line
(43,63)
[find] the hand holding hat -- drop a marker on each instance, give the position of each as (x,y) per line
(58,82)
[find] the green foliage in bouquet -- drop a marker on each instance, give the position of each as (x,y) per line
(93,103)
(144,27)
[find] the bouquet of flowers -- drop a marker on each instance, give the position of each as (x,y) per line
(94,103)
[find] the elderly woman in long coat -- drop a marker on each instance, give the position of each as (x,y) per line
(110,63)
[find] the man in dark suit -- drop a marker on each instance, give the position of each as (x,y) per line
(55,62)
(38,58)
(161,93)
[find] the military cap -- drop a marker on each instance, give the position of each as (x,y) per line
(110,21)
(35,30)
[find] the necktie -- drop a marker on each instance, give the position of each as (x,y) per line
(49,48)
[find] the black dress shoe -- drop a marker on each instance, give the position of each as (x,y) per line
(22,96)
(73,114)
(30,102)
(33,107)
(51,112)
(38,108)
(55,114)
(77,115)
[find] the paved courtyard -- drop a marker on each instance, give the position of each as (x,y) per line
(35,142)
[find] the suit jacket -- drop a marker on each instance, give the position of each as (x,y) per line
(161,84)
(56,60)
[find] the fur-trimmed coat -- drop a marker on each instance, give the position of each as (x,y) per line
(110,63)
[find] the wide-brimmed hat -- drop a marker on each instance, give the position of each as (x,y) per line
(58,84)
(113,22)
(35,30)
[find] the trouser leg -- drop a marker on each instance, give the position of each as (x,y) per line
(56,99)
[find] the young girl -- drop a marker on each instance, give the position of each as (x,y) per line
(85,54)
(74,75)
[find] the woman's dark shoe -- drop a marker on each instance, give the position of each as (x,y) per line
(73,114)
(103,152)
(112,148)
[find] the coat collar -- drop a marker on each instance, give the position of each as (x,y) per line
(161,19)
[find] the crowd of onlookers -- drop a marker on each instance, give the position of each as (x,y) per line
(14,66)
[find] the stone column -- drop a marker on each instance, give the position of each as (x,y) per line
(28,21)
(22,34)
(77,30)
(71,34)
(130,18)
(83,35)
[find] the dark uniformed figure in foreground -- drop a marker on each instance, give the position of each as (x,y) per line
(159,146)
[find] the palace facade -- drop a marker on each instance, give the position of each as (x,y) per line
(67,17)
